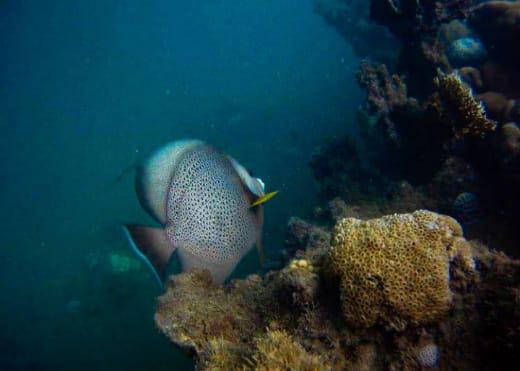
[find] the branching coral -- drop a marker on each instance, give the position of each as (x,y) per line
(458,109)
(393,270)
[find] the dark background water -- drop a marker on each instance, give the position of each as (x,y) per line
(87,88)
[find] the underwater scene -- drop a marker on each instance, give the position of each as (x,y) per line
(260,185)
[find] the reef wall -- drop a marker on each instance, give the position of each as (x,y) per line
(444,118)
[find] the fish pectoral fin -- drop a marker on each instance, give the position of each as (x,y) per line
(264,198)
(152,246)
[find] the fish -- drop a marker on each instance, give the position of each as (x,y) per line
(208,206)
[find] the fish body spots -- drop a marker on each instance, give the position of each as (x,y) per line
(208,208)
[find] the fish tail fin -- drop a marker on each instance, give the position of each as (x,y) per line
(152,246)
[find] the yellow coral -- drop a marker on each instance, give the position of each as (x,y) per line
(394,270)
(224,355)
(301,264)
(278,351)
(459,109)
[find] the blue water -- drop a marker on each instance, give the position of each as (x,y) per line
(88,88)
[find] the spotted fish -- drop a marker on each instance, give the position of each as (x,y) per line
(203,200)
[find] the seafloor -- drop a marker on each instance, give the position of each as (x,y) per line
(411,259)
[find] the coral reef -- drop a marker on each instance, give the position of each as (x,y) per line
(380,290)
(394,270)
(420,112)
(292,318)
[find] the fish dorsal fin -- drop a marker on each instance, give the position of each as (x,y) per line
(153,177)
(254,185)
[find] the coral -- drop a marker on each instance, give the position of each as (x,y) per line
(499,107)
(466,50)
(452,31)
(302,235)
(225,355)
(297,286)
(428,355)
(393,270)
(278,351)
(482,329)
(458,109)
(274,350)
(417,24)
(291,318)
(497,23)
(402,126)
(384,91)
(200,311)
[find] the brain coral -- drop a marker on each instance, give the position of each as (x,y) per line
(394,270)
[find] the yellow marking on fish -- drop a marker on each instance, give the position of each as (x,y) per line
(264,198)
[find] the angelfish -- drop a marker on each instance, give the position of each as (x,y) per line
(209,206)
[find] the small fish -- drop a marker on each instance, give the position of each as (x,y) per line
(203,200)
